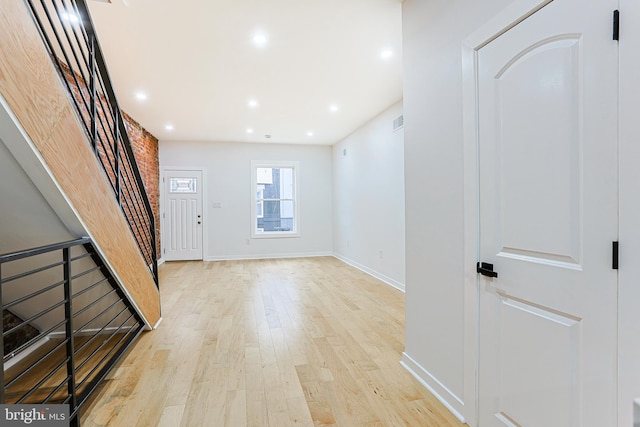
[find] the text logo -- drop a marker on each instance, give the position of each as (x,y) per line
(34,415)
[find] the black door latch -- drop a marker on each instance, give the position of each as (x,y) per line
(486,269)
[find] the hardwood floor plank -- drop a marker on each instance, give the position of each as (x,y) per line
(171,416)
(257,413)
(236,415)
(299,414)
(269,343)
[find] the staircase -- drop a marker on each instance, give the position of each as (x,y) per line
(67,33)
(99,189)
(83,301)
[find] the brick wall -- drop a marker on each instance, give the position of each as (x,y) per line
(145,148)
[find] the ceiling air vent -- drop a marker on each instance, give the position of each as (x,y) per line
(398,123)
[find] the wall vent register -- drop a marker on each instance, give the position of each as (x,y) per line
(398,123)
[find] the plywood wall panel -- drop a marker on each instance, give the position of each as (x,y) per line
(26,72)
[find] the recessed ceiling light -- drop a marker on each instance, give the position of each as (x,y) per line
(333,108)
(309,133)
(249,130)
(252,103)
(386,54)
(168,126)
(141,96)
(260,39)
(70,16)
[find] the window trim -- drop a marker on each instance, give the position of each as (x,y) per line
(295,165)
(261,215)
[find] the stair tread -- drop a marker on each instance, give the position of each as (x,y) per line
(27,382)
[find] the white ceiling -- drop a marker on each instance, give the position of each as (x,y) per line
(198,65)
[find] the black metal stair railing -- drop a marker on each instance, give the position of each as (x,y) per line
(68,34)
(84,321)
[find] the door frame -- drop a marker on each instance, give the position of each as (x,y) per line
(515,13)
(163,204)
(629,212)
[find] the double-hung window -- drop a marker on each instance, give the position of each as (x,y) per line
(274,188)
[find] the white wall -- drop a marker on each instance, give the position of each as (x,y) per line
(34,212)
(227,168)
(26,219)
(432,47)
(368,198)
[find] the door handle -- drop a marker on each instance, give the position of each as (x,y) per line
(486,269)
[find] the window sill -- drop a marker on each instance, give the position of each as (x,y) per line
(275,235)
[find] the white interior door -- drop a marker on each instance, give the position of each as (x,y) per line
(182,215)
(547,103)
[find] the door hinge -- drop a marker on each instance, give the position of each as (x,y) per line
(616,24)
(614,255)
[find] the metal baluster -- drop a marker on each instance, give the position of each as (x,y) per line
(68,311)
(92,89)
(1,343)
(116,134)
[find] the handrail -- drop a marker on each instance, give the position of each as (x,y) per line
(68,33)
(83,324)
(42,250)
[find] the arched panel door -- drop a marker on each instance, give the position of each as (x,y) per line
(547,110)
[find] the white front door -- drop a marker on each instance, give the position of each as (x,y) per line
(547,105)
(182,215)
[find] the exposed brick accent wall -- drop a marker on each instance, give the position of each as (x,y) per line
(145,147)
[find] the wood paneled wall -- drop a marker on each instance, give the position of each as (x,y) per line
(35,94)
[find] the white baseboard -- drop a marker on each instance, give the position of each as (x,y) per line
(267,256)
(452,402)
(9,363)
(88,332)
(161,261)
(388,280)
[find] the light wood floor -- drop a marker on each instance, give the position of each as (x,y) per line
(297,342)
